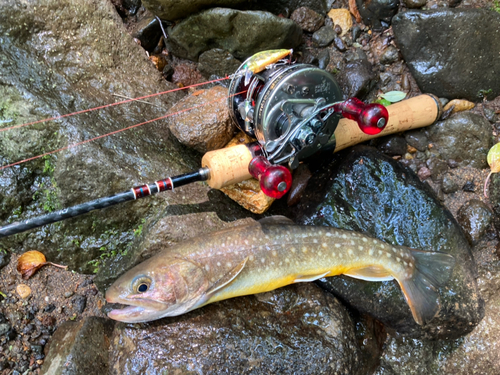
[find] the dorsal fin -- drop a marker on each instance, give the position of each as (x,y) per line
(227,278)
(274,220)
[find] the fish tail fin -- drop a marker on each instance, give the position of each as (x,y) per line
(432,270)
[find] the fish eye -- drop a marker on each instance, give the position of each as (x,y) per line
(141,284)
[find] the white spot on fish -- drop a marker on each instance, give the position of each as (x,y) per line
(353,243)
(337,245)
(365,239)
(333,254)
(328,234)
(223,245)
(324,245)
(380,252)
(394,250)
(320,253)
(218,264)
(293,250)
(275,253)
(207,267)
(361,248)
(228,264)
(388,255)
(251,257)
(304,249)
(370,252)
(315,240)
(266,237)
(398,259)
(405,263)
(375,241)
(246,242)
(281,263)
(263,260)
(350,252)
(272,263)
(344,236)
(341,255)
(287,260)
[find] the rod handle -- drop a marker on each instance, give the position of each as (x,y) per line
(417,112)
(227,166)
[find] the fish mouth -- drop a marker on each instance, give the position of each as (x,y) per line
(140,311)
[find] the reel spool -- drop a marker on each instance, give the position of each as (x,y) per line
(288,108)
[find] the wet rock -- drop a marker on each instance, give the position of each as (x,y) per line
(424,173)
(413,4)
(4,328)
(467,42)
(296,329)
(390,55)
(417,139)
(203,128)
(147,31)
(79,303)
(309,20)
(217,62)
(79,348)
(108,61)
(437,167)
(126,7)
(377,13)
(240,33)
(342,18)
(339,44)
(357,78)
(475,217)
(323,59)
(186,74)
(324,36)
(300,179)
(464,137)
(448,185)
(375,194)
(391,145)
(172,10)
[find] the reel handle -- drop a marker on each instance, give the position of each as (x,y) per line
(275,180)
(371,118)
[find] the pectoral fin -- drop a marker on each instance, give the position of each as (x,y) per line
(305,279)
(227,278)
(277,219)
(372,273)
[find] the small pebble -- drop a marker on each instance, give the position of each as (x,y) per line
(49,308)
(469,186)
(338,29)
(24,291)
(68,294)
(79,302)
(339,44)
(424,173)
(448,185)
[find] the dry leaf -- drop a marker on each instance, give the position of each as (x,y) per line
(30,262)
(353,8)
(460,105)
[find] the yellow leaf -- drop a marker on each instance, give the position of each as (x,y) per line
(29,262)
(493,158)
(460,105)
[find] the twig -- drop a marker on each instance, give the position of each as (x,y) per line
(142,101)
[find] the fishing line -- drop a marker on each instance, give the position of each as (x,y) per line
(116,131)
(112,104)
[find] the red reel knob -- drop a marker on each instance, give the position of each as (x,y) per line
(371,118)
(275,180)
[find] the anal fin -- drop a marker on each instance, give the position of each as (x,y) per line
(305,279)
(371,273)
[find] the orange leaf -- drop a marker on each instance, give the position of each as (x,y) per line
(29,262)
(353,8)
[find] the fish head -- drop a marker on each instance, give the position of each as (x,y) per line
(157,288)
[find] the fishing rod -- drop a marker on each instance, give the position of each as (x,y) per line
(293,110)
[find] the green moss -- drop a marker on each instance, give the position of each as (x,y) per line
(496,6)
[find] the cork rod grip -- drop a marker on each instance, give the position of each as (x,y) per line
(230,165)
(227,166)
(417,112)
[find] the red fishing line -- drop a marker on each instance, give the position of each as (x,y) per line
(111,105)
(114,132)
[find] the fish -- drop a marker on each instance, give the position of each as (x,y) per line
(261,60)
(267,255)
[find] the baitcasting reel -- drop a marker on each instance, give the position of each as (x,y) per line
(293,111)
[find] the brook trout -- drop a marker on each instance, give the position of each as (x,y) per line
(265,256)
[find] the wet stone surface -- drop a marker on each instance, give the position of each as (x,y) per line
(296,329)
(450,52)
(371,193)
(475,217)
